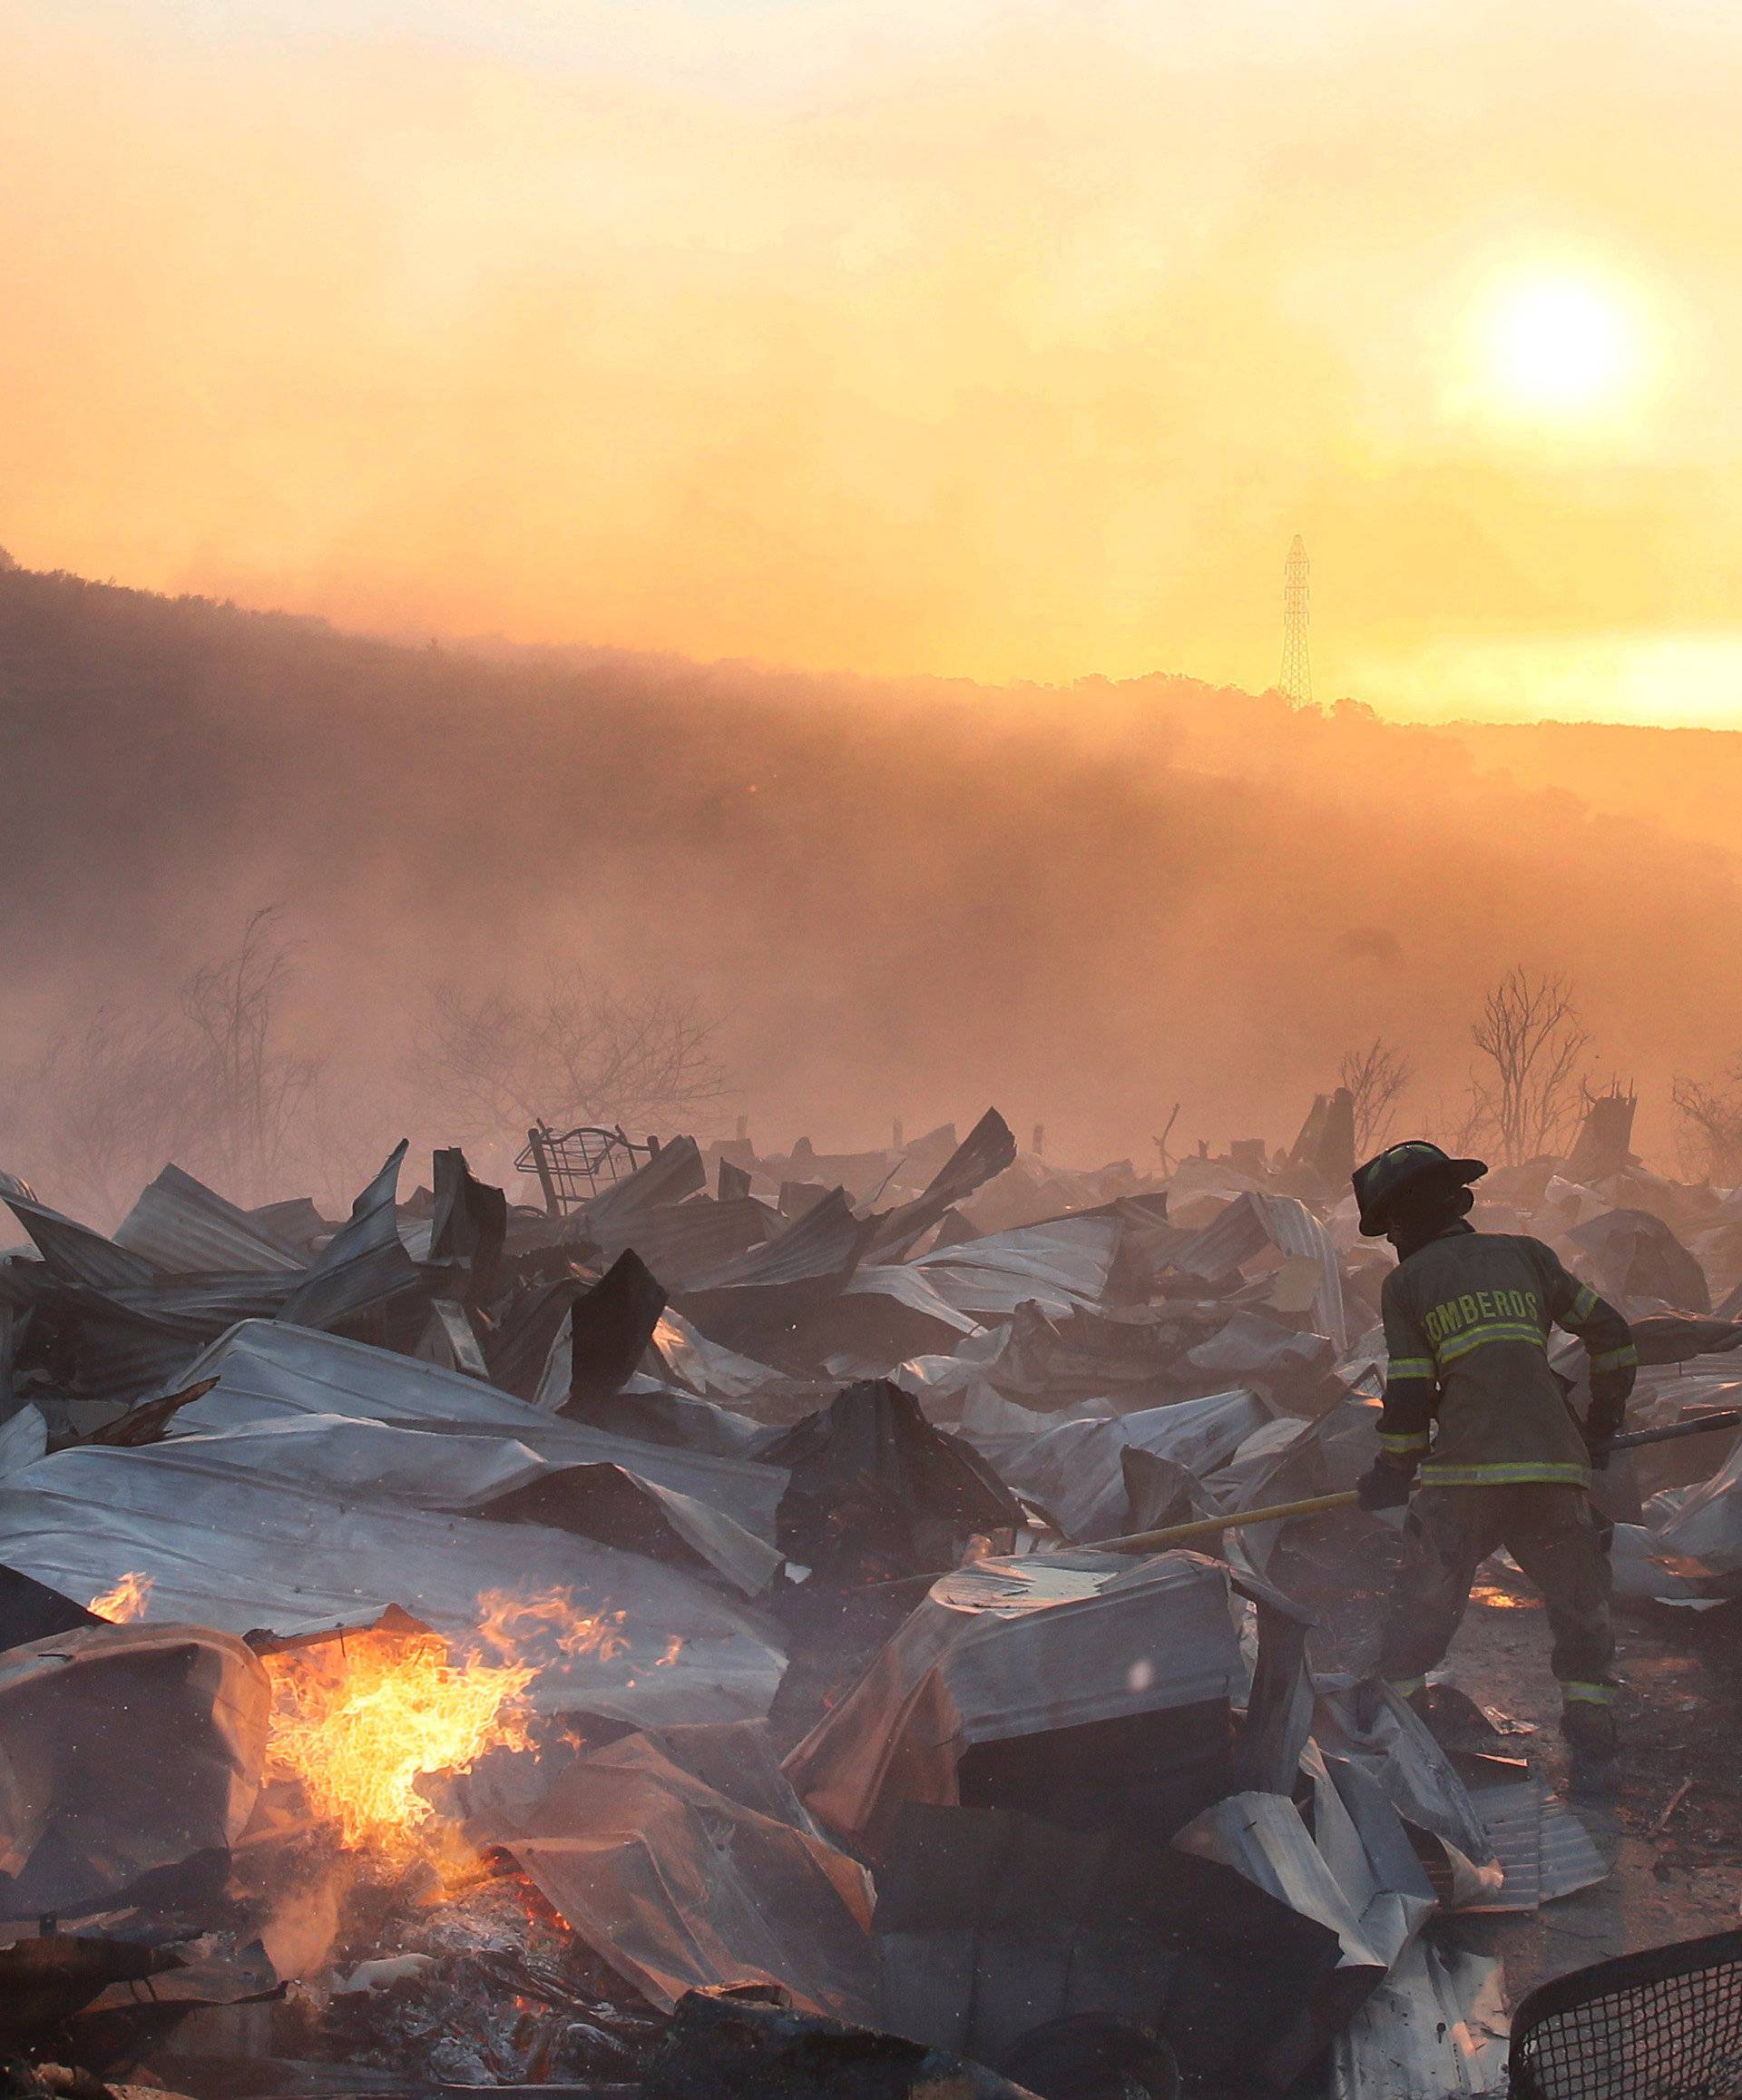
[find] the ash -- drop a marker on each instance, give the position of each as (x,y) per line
(482,1987)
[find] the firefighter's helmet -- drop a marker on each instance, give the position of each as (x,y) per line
(1378,1183)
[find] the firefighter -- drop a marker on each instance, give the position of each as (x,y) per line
(1478,1426)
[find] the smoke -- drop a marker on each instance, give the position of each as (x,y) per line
(993,339)
(899,898)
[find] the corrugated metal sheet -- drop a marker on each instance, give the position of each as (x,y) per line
(1571,1860)
(1511,1815)
(1011,1648)
(1256,1220)
(230,1546)
(1262,1836)
(364,1264)
(778,1283)
(673,1173)
(74,1253)
(208,1303)
(683,1241)
(132,1342)
(174,1771)
(188,1230)
(1543,1849)
(470,1473)
(24,1439)
(986,1151)
(129,1360)
(1436,2025)
(909,1287)
(1061,1265)
(1076,1471)
(680,1888)
(825,1242)
(707,1369)
(267,1369)
(1705,1524)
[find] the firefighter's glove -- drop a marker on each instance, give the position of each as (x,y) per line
(1602,1425)
(1385,1485)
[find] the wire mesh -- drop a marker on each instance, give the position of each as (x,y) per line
(1663,2025)
(570,1166)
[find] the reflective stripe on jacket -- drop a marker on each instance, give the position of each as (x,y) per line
(1468,1389)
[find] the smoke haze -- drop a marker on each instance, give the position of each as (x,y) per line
(1006,340)
(1080,904)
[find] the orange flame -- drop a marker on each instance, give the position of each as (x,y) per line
(357,1722)
(511,1626)
(125,1602)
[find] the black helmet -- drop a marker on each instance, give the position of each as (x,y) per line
(1401,1166)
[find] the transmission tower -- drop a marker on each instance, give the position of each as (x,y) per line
(1297,680)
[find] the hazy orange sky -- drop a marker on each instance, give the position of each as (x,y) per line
(935,335)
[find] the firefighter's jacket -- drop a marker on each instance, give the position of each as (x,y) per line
(1469,1392)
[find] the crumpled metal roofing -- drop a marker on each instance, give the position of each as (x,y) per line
(824,1244)
(135,1340)
(186,1229)
(364,1264)
(128,1749)
(1704,1523)
(680,1888)
(611,1218)
(471,1473)
(24,1439)
(987,1149)
(1061,1265)
(709,1368)
(1263,1837)
(228,1544)
(75,1253)
(1007,1647)
(1075,1468)
(1255,1220)
(1437,2024)
(780,1280)
(683,1241)
(267,1370)
(909,1287)
(991,1924)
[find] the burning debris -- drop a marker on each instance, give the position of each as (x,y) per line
(656,1637)
(123,1600)
(358,1723)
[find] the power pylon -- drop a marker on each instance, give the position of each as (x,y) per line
(1297,680)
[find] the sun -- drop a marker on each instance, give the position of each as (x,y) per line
(1560,347)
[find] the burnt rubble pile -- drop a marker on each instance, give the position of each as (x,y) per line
(660,1643)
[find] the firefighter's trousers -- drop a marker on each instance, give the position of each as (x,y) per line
(1553,1534)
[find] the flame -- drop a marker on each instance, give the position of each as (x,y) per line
(360,1721)
(512,1625)
(125,1602)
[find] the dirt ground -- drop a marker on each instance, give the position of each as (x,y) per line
(1672,1834)
(1672,1831)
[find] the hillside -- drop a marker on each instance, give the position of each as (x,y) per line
(1081,904)
(1685,781)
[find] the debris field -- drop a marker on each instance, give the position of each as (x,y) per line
(660,1637)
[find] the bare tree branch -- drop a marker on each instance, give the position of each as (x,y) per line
(251,1089)
(1375,1076)
(1711,1137)
(576,1051)
(1531,1034)
(109,1100)
(122,1090)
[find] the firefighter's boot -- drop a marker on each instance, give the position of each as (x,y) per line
(1590,1730)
